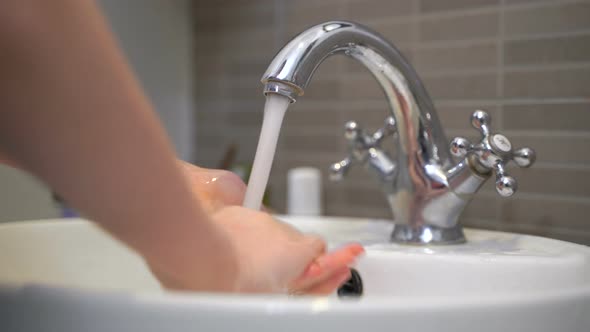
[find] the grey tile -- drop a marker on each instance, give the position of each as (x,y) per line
(247,15)
(360,87)
(474,26)
(301,159)
(427,6)
(554,181)
(364,10)
(248,118)
(359,197)
(473,86)
(398,33)
(278,198)
(322,89)
(304,142)
(548,117)
(562,150)
(207,19)
(344,210)
(553,83)
(298,118)
(209,66)
(519,2)
(480,56)
(249,42)
(243,89)
(245,66)
(547,213)
(207,88)
(547,50)
(299,16)
(550,19)
(482,207)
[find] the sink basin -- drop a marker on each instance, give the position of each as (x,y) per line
(67,275)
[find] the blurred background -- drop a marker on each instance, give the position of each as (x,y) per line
(527,62)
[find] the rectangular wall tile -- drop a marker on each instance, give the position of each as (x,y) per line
(572,117)
(474,26)
(479,56)
(365,10)
(429,6)
(548,50)
(555,213)
(552,83)
(556,149)
(467,86)
(553,181)
(568,17)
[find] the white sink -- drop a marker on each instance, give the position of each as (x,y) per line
(66,275)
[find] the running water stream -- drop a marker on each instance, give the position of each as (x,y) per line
(274,111)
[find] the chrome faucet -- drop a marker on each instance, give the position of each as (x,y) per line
(426,190)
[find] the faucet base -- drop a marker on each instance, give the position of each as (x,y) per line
(422,235)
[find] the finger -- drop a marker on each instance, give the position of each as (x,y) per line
(329,286)
(325,266)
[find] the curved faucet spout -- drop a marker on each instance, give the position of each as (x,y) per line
(292,68)
(424,161)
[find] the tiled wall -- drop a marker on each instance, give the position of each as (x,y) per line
(527,62)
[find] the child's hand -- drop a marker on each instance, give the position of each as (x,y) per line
(271,257)
(322,274)
(328,272)
(213,187)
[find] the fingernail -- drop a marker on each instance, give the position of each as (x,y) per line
(356,250)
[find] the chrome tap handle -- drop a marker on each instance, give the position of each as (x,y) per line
(338,170)
(363,148)
(493,153)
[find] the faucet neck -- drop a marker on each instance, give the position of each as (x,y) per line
(409,102)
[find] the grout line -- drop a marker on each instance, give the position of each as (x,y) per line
(247,105)
(541,4)
(548,67)
(548,35)
(553,197)
(528,133)
(499,68)
(433,45)
(548,133)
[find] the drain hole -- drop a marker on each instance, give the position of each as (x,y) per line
(353,287)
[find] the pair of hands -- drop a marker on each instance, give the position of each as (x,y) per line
(272,256)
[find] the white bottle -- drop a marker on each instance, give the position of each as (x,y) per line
(304,191)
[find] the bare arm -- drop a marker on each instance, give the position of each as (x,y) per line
(72,113)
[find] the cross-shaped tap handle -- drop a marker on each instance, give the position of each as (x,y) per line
(363,147)
(493,152)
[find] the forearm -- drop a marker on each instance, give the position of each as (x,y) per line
(72,113)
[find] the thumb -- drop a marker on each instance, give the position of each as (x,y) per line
(307,250)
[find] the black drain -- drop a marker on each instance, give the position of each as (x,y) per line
(353,287)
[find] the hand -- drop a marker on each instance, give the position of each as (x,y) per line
(217,189)
(272,257)
(213,187)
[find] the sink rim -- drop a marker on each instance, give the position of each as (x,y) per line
(307,304)
(277,304)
